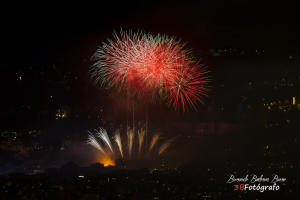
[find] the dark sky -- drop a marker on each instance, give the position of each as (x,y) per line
(68,34)
(51,33)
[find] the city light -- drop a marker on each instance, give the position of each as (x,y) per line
(294,100)
(60,114)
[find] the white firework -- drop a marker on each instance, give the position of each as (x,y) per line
(130,139)
(93,141)
(126,153)
(103,135)
(119,142)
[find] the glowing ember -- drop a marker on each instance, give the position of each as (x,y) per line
(107,161)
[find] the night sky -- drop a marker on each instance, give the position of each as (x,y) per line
(37,38)
(69,33)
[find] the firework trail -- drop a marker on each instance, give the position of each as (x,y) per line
(103,135)
(93,141)
(141,135)
(164,146)
(118,141)
(130,140)
(153,141)
(151,65)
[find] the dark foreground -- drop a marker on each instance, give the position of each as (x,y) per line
(188,182)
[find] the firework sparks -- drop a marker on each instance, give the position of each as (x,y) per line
(145,64)
(130,139)
(93,142)
(187,87)
(118,141)
(108,157)
(103,135)
(164,146)
(141,134)
(153,141)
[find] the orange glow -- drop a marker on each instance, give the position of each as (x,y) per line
(107,161)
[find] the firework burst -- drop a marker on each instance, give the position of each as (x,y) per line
(148,65)
(187,88)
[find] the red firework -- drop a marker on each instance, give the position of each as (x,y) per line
(144,64)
